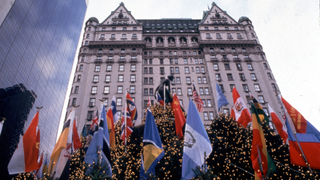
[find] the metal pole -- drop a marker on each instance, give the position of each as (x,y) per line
(260,162)
(293,129)
(240,167)
(164,97)
(125,126)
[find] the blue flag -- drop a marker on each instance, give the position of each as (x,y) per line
(197,146)
(100,142)
(152,147)
(222,100)
(114,110)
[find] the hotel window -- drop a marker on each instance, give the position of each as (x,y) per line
(145,80)
(82,59)
(211,49)
(199,80)
(206,90)
(221,49)
(94,89)
(204,102)
(218,36)
(226,28)
(189,91)
(171,61)
(232,86)
(124,28)
(133,67)
(218,77)
(269,76)
(108,78)
(145,70)
(179,92)
(211,115)
(257,87)
(236,28)
(204,79)
(239,35)
(216,28)
(78,78)
(242,77)
(209,103)
(150,80)
(121,67)
(92,102)
(202,70)
(252,35)
(76,90)
(233,50)
(245,87)
(89,28)
(150,70)
(150,61)
(208,35)
(100,51)
(196,61)
(206,28)
(186,70)
(134,28)
(95,78)
(227,66)
(274,87)
(239,67)
(250,67)
(184,52)
(87,36)
(229,36)
(181,102)
(197,70)
(266,111)
(105,102)
(215,67)
(194,52)
(253,77)
(119,89)
(109,67)
(90,115)
(205,115)
(124,35)
(80,67)
(151,91)
(226,111)
(113,36)
(188,80)
(102,36)
(230,78)
(173,90)
(106,90)
(221,87)
(171,70)
(265,65)
(132,89)
(177,70)
(132,78)
(201,91)
(74,100)
(200,61)
(178,80)
(161,61)
(84,50)
(119,102)
(145,61)
(161,70)
(110,50)
(113,28)
(185,61)
(145,91)
(261,99)
(176,61)
(120,78)
(97,68)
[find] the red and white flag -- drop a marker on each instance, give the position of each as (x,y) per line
(149,102)
(279,126)
(197,99)
(25,157)
(241,112)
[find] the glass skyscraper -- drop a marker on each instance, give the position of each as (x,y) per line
(38,41)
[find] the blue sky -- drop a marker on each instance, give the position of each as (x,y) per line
(287,30)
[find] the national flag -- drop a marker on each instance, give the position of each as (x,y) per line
(75,137)
(197,99)
(38,172)
(129,124)
(279,126)
(262,115)
(100,142)
(25,157)
(241,112)
(63,163)
(152,151)
(179,119)
(93,127)
(233,115)
(259,154)
(300,123)
(307,135)
(114,109)
(159,99)
(197,146)
(131,107)
(221,99)
(149,102)
(112,133)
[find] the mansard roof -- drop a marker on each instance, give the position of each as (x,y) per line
(170,25)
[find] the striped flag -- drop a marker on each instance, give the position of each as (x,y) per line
(114,109)
(279,126)
(129,124)
(159,99)
(111,129)
(241,112)
(131,107)
(197,99)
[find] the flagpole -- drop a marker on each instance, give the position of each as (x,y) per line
(125,126)
(293,129)
(260,163)
(164,97)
